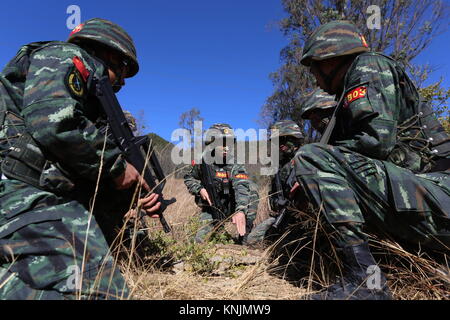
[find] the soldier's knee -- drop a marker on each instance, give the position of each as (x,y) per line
(312,158)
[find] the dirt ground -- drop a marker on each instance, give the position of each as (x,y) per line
(239,272)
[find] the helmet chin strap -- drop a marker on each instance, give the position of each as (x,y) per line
(116,86)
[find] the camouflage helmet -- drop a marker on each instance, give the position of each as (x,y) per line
(333,39)
(224,129)
(285,128)
(110,35)
(131,120)
(316,100)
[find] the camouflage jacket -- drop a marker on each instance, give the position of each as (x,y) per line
(232,184)
(380,113)
(52,90)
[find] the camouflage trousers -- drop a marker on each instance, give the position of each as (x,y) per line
(51,248)
(208,223)
(351,191)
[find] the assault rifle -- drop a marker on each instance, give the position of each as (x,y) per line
(207,179)
(135,149)
(281,201)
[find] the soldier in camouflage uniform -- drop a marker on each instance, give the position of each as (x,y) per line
(54,150)
(318,107)
(386,163)
(233,186)
(290,140)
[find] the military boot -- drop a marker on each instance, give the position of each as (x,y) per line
(362,278)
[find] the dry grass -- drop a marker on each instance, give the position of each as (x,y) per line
(255,283)
(288,269)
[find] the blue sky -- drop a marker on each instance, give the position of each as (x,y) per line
(212,55)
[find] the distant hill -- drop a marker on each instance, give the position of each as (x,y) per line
(163,150)
(160,143)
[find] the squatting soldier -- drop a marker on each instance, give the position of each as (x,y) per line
(387,161)
(54,162)
(318,107)
(232,186)
(290,139)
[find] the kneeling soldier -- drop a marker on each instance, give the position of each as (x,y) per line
(227,192)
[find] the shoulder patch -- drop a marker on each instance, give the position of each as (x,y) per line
(241,176)
(221,175)
(354,95)
(75,83)
(81,68)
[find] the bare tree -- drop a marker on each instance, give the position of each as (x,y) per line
(406,28)
(141,123)
(188,118)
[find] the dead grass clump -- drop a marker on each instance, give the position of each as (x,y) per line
(299,262)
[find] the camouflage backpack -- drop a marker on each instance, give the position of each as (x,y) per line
(12,81)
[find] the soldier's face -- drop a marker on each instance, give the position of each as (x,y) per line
(318,123)
(222,150)
(329,74)
(117,71)
(288,144)
(320,71)
(320,118)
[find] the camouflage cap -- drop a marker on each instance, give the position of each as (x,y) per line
(108,34)
(285,128)
(225,132)
(333,39)
(316,100)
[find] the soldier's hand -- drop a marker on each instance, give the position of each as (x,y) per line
(149,204)
(239,220)
(129,178)
(294,190)
(205,196)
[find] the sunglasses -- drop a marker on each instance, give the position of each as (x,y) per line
(285,140)
(119,68)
